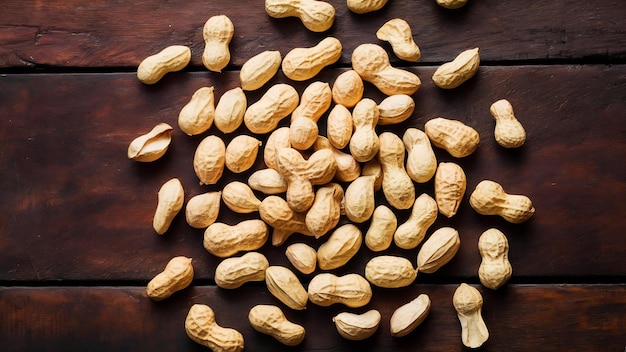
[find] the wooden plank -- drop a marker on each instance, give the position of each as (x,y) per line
(519,318)
(75,208)
(91,34)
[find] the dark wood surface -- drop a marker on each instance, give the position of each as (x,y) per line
(76,241)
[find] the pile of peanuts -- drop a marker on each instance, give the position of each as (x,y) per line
(305,169)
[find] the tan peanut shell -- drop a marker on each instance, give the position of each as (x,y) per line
(170,199)
(380,233)
(152,145)
(373,168)
(348,89)
(357,327)
(509,132)
(201,327)
(233,272)
(301,64)
(279,138)
(348,169)
(177,275)
(277,103)
(202,209)
(276,213)
(230,109)
(495,269)
(359,202)
(339,126)
(409,316)
(365,6)
(241,153)
(240,198)
(217,33)
(302,256)
(364,143)
(439,249)
(271,320)
(468,302)
(268,181)
(421,162)
(324,214)
(452,4)
(259,69)
(224,240)
(284,285)
(423,214)
(197,115)
(452,74)
(314,102)
(398,33)
(340,247)
(209,159)
(457,138)
(351,290)
(395,109)
(389,271)
(398,187)
(316,16)
(171,59)
(489,198)
(450,184)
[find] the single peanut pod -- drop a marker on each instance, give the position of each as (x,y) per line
(202,209)
(277,103)
(398,33)
(509,132)
(340,247)
(284,285)
(170,201)
(398,187)
(379,235)
(239,198)
(177,275)
(348,89)
(197,115)
(450,184)
(209,159)
(268,181)
(223,240)
(468,302)
(217,33)
(316,16)
(302,256)
(152,145)
(364,143)
(438,250)
(351,290)
(423,214)
(463,67)
(409,316)
(314,102)
(301,64)
(452,4)
(339,126)
(270,320)
(276,213)
(457,138)
(171,59)
(230,109)
(357,327)
(277,139)
(241,153)
(421,162)
(373,168)
(365,6)
(233,272)
(489,198)
(389,271)
(201,327)
(259,69)
(359,199)
(371,62)
(395,109)
(495,269)
(348,169)
(326,209)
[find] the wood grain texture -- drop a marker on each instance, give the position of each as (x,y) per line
(75,208)
(91,34)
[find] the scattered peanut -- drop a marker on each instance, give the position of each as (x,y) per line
(373,168)
(259,69)
(197,115)
(177,275)
(209,159)
(223,240)
(340,247)
(495,269)
(359,199)
(380,233)
(409,316)
(398,33)
(271,320)
(395,109)
(277,103)
(279,138)
(284,285)
(421,162)
(171,59)
(236,271)
(438,250)
(352,290)
(267,181)
(468,302)
(217,32)
(316,16)
(411,233)
(389,271)
(457,138)
(276,212)
(302,256)
(229,111)
(452,74)
(301,64)
(452,4)
(509,132)
(201,327)
(357,326)
(240,198)
(450,184)
(326,209)
(398,187)
(202,209)
(241,153)
(152,145)
(364,143)
(348,169)
(365,6)
(170,201)
(348,89)
(314,102)
(489,198)
(339,126)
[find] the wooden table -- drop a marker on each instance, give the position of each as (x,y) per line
(76,243)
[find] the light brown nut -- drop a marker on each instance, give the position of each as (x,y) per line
(452,4)
(277,139)
(365,6)
(324,214)
(217,33)
(351,290)
(259,69)
(277,103)
(276,212)
(457,138)
(452,74)
(339,126)
(371,62)
(197,115)
(421,162)
(398,187)
(230,109)
(389,271)
(202,209)
(177,275)
(271,320)
(240,198)
(241,153)
(209,159)
(152,145)
(364,143)
(233,272)
(201,327)
(301,64)
(438,250)
(170,201)
(509,132)
(489,198)
(267,181)
(409,316)
(284,285)
(348,89)
(398,33)
(340,247)
(395,109)
(302,256)
(379,235)
(450,184)
(359,202)
(314,102)
(171,59)
(223,240)
(495,269)
(316,16)
(357,326)
(348,169)
(468,302)
(373,168)
(411,233)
